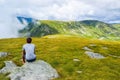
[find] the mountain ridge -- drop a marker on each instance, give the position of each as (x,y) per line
(86,28)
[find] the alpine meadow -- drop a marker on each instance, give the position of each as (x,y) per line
(65,44)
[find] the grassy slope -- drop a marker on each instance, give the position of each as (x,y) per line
(117,26)
(60,51)
(87,28)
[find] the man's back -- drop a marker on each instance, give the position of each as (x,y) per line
(29,50)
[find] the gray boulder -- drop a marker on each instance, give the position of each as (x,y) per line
(38,70)
(3,54)
(94,55)
(9,67)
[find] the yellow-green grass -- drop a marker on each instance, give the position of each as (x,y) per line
(59,51)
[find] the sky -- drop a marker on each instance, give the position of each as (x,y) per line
(102,10)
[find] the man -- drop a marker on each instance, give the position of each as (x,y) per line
(29,51)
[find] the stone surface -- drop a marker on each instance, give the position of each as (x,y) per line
(94,55)
(76,60)
(114,56)
(92,45)
(79,72)
(38,70)
(3,54)
(87,49)
(9,67)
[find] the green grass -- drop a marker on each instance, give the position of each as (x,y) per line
(87,29)
(2,77)
(60,50)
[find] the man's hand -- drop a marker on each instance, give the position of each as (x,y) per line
(23,59)
(23,62)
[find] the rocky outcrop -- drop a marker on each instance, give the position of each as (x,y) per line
(91,54)
(9,67)
(94,55)
(38,70)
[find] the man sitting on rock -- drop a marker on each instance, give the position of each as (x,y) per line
(29,51)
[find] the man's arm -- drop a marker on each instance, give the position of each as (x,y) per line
(34,50)
(23,56)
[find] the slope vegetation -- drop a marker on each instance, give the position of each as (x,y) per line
(88,29)
(67,56)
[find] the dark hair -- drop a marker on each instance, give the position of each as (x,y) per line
(29,40)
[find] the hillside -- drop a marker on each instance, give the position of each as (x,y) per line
(117,26)
(67,56)
(87,28)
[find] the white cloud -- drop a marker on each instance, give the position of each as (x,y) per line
(104,10)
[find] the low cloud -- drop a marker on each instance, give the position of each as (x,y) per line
(103,10)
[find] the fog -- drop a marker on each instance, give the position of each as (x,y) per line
(103,10)
(9,27)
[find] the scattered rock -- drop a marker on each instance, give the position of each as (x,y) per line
(3,54)
(79,72)
(114,56)
(9,67)
(94,55)
(38,70)
(76,60)
(92,45)
(87,49)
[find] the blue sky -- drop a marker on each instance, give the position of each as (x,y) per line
(103,10)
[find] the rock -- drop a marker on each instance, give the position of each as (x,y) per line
(3,54)
(38,70)
(94,55)
(87,49)
(79,72)
(9,67)
(76,60)
(114,56)
(92,45)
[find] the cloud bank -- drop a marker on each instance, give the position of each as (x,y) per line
(103,10)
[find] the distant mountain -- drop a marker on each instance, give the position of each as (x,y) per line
(116,25)
(87,28)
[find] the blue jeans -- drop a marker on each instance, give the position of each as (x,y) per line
(31,60)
